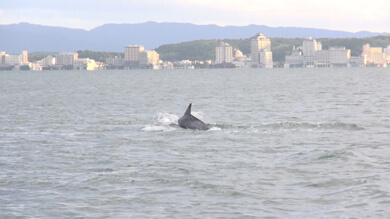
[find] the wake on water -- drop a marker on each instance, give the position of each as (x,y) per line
(163,122)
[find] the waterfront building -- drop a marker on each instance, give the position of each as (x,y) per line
(322,59)
(360,61)
(36,66)
(295,60)
(261,53)
(223,53)
(149,59)
(12,59)
(115,62)
(67,58)
(132,55)
(86,64)
(2,57)
(375,55)
(309,48)
(386,50)
(8,59)
(24,57)
(339,56)
(334,57)
(48,61)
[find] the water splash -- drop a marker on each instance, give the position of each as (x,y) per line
(162,122)
(165,119)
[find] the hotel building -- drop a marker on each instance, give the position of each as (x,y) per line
(132,55)
(309,48)
(375,55)
(67,58)
(223,53)
(261,53)
(149,59)
(334,57)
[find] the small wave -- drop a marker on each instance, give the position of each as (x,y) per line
(157,128)
(308,125)
(336,154)
(284,126)
(215,128)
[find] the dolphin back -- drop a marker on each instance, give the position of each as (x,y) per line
(189,121)
(195,123)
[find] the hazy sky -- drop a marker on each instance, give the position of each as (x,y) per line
(349,15)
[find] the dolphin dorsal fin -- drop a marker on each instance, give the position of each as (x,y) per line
(188,111)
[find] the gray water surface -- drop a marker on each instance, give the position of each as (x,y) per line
(283,143)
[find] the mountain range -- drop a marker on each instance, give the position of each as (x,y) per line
(114,37)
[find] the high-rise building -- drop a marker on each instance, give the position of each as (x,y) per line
(2,57)
(132,55)
(24,57)
(309,48)
(148,59)
(261,53)
(223,53)
(67,58)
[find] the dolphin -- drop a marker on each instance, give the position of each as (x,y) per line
(189,121)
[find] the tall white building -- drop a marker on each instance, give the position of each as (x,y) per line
(132,55)
(309,48)
(148,58)
(223,53)
(261,53)
(2,56)
(24,57)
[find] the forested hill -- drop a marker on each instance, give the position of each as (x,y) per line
(205,49)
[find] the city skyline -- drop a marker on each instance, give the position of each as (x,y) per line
(309,54)
(347,15)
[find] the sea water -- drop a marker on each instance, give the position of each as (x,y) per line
(283,143)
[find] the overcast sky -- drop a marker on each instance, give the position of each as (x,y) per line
(348,15)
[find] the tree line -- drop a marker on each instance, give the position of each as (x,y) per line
(205,49)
